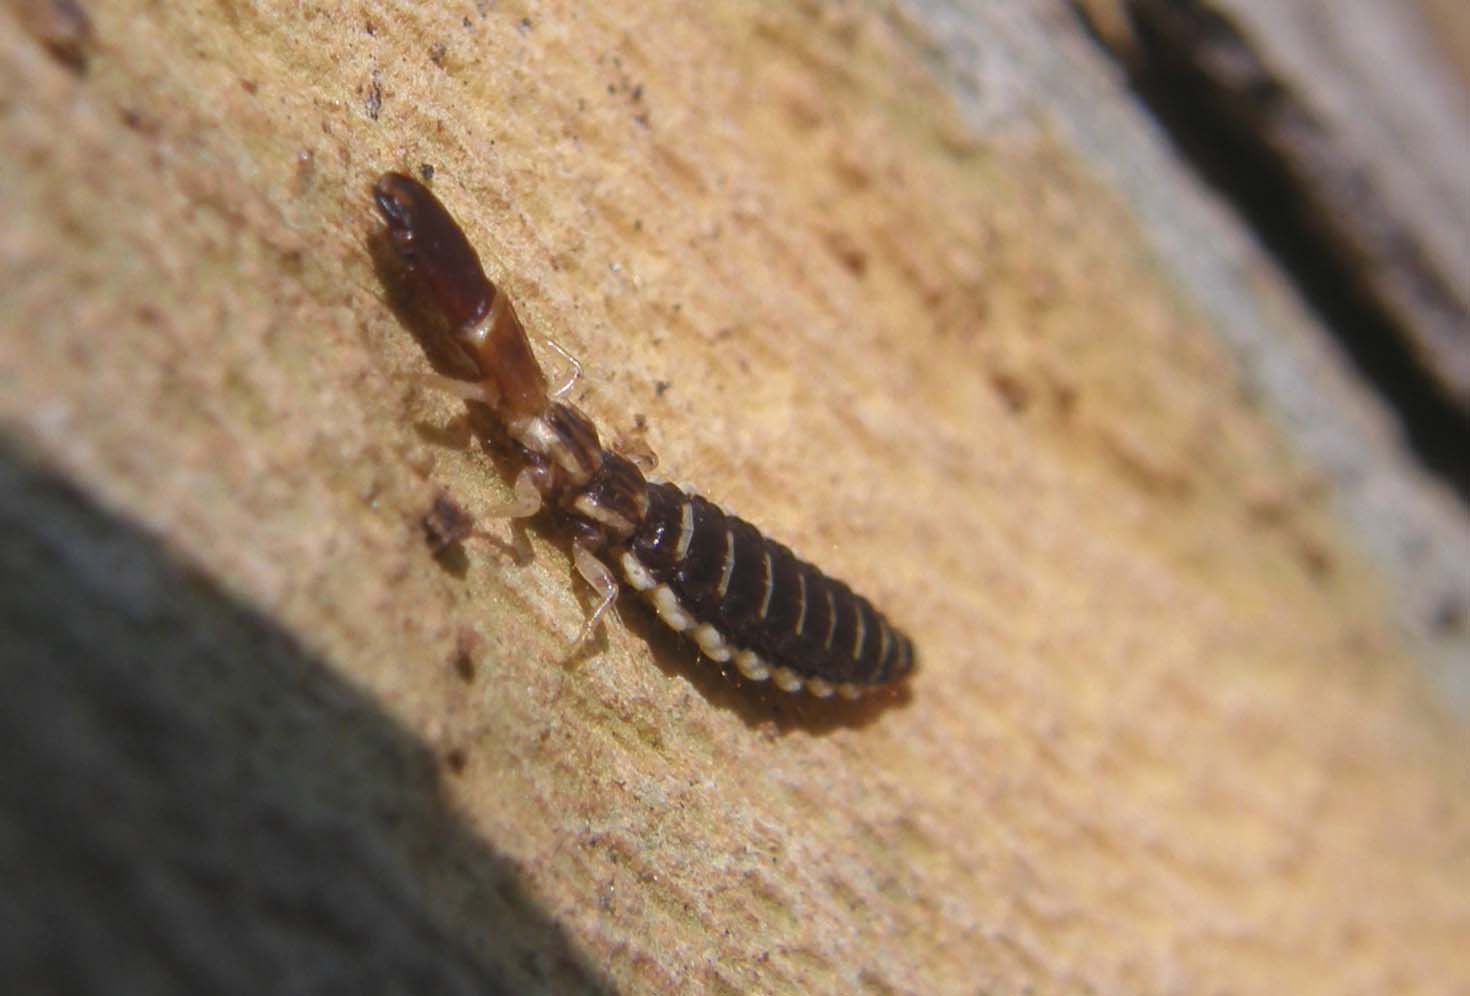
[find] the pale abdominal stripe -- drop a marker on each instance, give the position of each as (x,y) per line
(713,644)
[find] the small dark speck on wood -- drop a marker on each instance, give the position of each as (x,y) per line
(446,524)
(466,649)
(374,103)
(63,27)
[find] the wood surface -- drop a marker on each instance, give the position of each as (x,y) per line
(1302,112)
(1168,734)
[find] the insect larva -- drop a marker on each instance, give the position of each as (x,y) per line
(741,597)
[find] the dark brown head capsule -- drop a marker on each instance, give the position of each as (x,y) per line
(482,322)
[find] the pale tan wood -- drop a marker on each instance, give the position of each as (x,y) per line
(1165,738)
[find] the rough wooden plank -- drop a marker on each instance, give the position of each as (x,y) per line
(1166,737)
(1015,71)
(1368,126)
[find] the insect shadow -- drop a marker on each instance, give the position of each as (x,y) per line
(759,705)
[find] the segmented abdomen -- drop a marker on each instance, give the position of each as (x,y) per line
(760,598)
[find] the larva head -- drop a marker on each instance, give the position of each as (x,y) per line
(482,322)
(434,249)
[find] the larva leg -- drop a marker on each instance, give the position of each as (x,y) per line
(527,500)
(572,378)
(600,577)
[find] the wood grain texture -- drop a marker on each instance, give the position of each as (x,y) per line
(1323,100)
(1166,739)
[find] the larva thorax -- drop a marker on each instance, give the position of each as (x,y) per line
(602,495)
(741,597)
